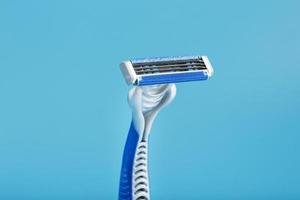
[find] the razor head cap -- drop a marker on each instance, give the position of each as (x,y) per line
(128,72)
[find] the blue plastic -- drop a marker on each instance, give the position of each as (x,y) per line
(172,78)
(125,189)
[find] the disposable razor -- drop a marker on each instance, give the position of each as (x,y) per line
(153,87)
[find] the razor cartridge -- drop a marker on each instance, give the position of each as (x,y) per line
(165,70)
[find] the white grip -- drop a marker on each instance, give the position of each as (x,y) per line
(140,181)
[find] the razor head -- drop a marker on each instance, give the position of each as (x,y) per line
(165,70)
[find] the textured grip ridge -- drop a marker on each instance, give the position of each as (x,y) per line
(140,179)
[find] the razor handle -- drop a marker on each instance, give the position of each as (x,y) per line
(134,184)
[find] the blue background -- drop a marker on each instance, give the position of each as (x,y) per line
(64,116)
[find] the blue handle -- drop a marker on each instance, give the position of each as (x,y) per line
(125,189)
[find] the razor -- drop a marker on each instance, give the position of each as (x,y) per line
(153,87)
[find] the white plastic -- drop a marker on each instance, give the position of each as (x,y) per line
(146,102)
(210,70)
(128,72)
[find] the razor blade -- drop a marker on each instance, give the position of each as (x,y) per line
(163,70)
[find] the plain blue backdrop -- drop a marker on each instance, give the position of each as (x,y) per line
(64,116)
